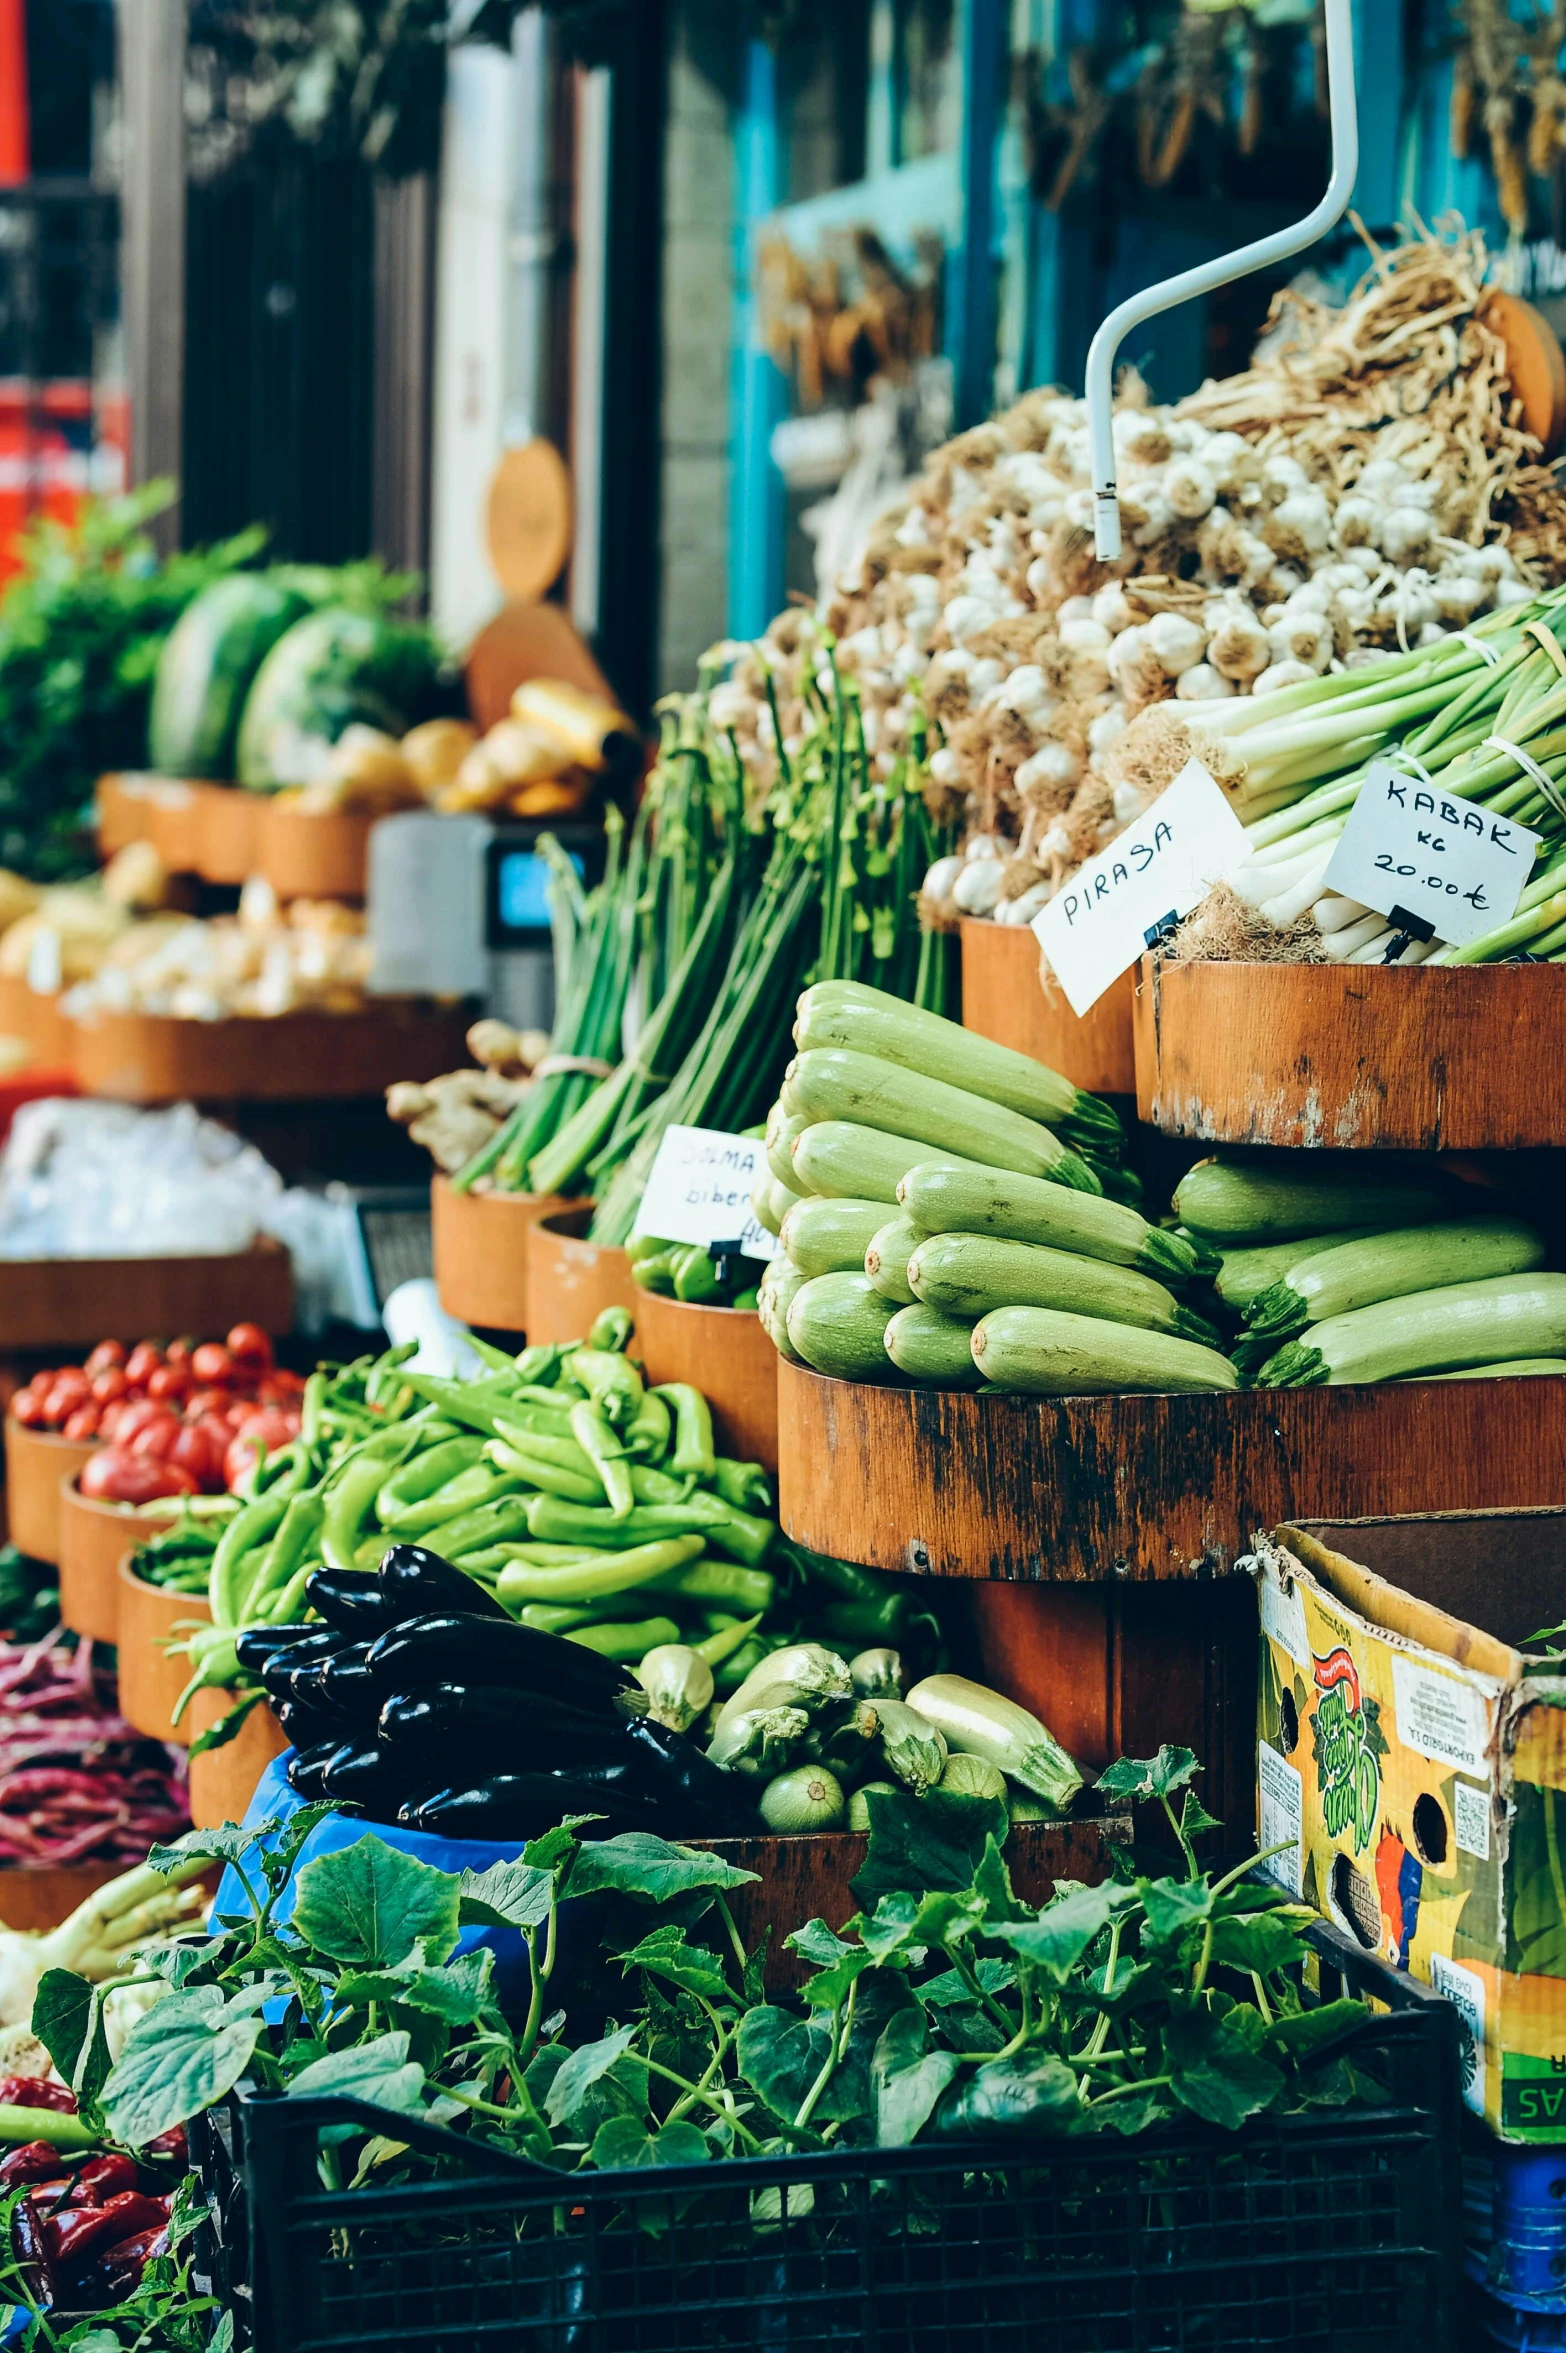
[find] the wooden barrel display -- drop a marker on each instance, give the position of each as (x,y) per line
(36,1461)
(71,1302)
(1117,1668)
(312,853)
(150,1679)
(809,1877)
(723,1352)
(481,1252)
(1456,1057)
(295,1057)
(1008,997)
(94,1539)
(38,1897)
(228,830)
(223,1780)
(34,1015)
(1075,1489)
(571,1280)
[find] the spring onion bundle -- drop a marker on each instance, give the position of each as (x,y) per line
(815,877)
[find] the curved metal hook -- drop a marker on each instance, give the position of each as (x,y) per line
(1220,272)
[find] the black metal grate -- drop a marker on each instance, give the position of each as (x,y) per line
(1335,2228)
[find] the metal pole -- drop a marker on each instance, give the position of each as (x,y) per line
(1220,272)
(152,68)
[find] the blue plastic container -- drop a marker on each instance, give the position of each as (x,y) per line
(275,1800)
(1514,2230)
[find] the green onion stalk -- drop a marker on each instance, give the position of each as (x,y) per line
(652,921)
(1457,715)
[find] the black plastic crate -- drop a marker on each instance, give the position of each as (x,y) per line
(1336,2229)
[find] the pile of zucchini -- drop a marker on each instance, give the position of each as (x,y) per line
(816,1738)
(1349,1275)
(955,1214)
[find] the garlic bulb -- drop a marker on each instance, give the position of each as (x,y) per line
(1239,646)
(1288,673)
(1178,642)
(977,889)
(1203,684)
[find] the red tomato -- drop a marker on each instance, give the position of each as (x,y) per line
(170,1381)
(249,1346)
(138,1412)
(113,1476)
(27,1408)
(83,1423)
(212,1362)
(110,1418)
(142,1362)
(195,1450)
(180,1351)
(158,1439)
(265,1431)
(109,1384)
(202,1401)
(108,1356)
(63,1399)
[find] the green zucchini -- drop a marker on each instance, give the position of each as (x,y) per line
(761,1206)
(1511,1368)
(1330,1281)
(932,1348)
(947,1200)
(781,1199)
(774,1295)
(970,1274)
(848,1013)
(887,1256)
(833,1082)
(1243,1275)
(1049,1354)
(849,1163)
(1232,1201)
(780,1138)
(825,1237)
(1508,1317)
(838,1324)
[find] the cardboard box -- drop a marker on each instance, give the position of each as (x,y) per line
(1412,1763)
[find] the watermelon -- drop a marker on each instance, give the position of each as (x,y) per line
(334,667)
(206,667)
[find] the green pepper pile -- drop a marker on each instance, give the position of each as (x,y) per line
(691,1272)
(590,1505)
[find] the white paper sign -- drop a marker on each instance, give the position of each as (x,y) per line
(1410,849)
(1114,907)
(1280,1817)
(700,1189)
(1442,1718)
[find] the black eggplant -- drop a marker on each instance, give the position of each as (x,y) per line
(361,1774)
(415,1584)
(524,1805)
(487,1727)
(307,1686)
(276,1671)
(254,1645)
(309,1727)
(352,1600)
(345,1678)
(307,1767)
(453,1648)
(694,1795)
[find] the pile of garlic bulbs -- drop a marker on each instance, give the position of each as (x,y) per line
(1367,488)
